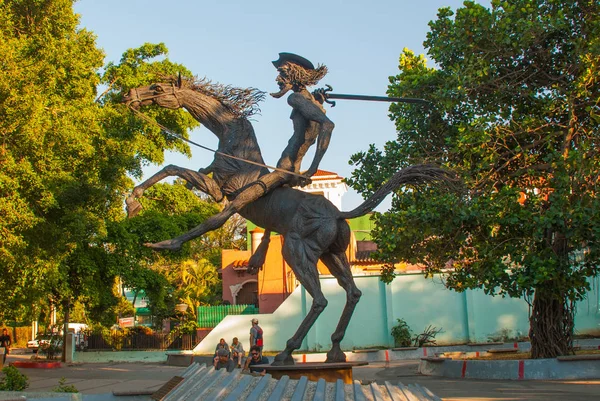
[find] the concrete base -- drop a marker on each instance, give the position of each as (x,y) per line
(330,372)
(180,359)
(528,369)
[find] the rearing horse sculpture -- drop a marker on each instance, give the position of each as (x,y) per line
(312,227)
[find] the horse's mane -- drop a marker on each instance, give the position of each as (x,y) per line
(241,101)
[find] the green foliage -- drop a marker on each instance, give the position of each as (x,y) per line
(66,157)
(200,284)
(516,116)
(169,210)
(64,388)
(402,334)
(13,380)
(187,327)
(48,122)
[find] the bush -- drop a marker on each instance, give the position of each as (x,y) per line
(401,333)
(188,327)
(64,388)
(13,380)
(50,345)
(141,330)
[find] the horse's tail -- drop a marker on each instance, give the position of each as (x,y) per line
(413,175)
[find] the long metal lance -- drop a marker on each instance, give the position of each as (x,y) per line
(326,94)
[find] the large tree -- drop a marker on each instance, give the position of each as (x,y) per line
(48,125)
(66,154)
(516,114)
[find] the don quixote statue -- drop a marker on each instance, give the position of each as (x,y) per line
(312,227)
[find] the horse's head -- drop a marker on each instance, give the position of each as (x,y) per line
(161,94)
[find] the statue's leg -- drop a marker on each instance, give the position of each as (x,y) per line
(303,262)
(338,265)
(198,180)
(259,188)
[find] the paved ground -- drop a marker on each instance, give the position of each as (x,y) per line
(480,390)
(107,377)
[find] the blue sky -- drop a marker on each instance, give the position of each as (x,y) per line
(234,42)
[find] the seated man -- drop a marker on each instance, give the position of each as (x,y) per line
(237,351)
(256,358)
(221,345)
(223,361)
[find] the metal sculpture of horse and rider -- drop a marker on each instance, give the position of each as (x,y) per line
(312,227)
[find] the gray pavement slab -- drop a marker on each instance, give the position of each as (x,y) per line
(464,389)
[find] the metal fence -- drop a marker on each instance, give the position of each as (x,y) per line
(211,316)
(121,341)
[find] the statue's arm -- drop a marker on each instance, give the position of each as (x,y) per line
(312,112)
(257,260)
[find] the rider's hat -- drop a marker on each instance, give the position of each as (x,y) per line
(293,58)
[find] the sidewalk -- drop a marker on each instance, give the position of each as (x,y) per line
(104,378)
(474,390)
(98,378)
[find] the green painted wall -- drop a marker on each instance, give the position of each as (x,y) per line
(471,316)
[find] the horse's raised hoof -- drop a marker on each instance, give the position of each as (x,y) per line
(133,206)
(168,244)
(283,359)
(335,356)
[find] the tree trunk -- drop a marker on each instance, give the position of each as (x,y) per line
(551,325)
(65,331)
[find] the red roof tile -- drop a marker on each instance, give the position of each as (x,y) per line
(240,264)
(326,175)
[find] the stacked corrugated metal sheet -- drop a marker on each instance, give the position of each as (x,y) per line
(207,384)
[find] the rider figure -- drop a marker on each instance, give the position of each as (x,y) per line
(308,115)
(310,124)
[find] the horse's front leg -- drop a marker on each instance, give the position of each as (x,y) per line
(196,178)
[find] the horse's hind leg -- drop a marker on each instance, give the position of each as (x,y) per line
(198,180)
(338,265)
(308,275)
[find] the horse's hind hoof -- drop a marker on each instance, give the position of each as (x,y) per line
(168,244)
(335,356)
(282,360)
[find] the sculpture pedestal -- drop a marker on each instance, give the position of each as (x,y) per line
(314,371)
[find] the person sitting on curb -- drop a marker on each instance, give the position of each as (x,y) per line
(237,351)
(256,358)
(223,361)
(221,345)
